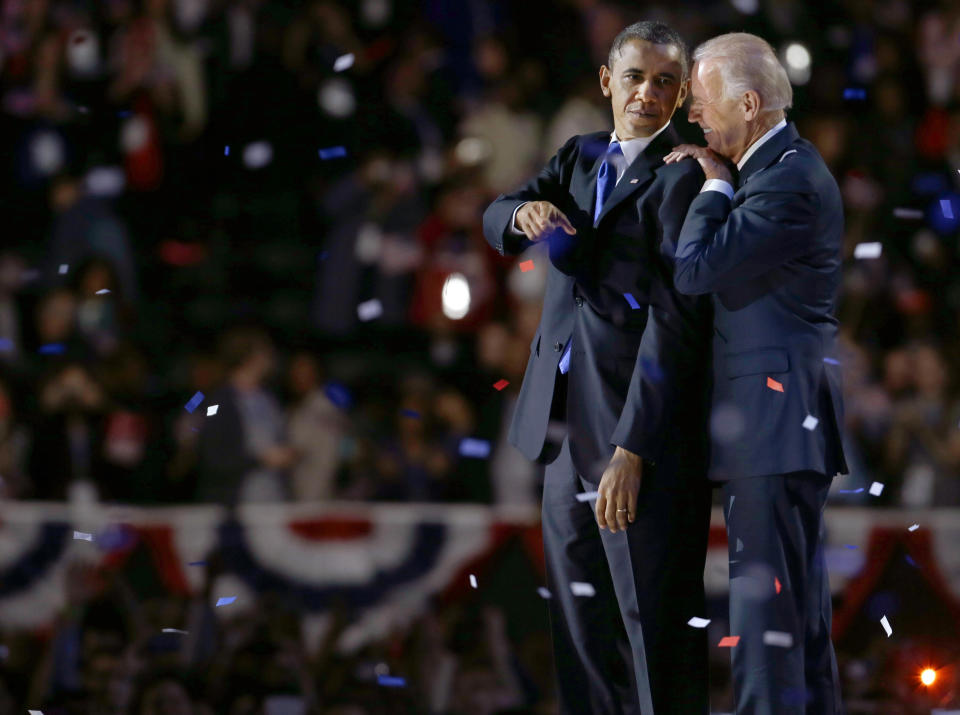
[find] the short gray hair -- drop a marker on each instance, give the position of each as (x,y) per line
(747,62)
(655,32)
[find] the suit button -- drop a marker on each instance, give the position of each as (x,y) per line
(557,347)
(579,301)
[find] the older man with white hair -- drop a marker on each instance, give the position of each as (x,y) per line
(767,246)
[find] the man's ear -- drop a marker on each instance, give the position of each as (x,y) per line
(751,105)
(605,78)
(684,91)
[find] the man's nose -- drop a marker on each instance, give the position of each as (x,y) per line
(693,114)
(645,91)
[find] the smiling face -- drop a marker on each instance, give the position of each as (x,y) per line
(724,121)
(645,87)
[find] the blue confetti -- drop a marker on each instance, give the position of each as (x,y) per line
(124,114)
(912,562)
(946,208)
(332,152)
(226,150)
(194,402)
(471,447)
(6,344)
(391,681)
(850,546)
(854,93)
(339,395)
(412,414)
(226,601)
(197,563)
(849,491)
(632,301)
(831,361)
(52,349)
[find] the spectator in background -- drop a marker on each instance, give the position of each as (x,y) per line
(14,446)
(243,454)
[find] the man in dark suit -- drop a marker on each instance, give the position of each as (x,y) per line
(619,364)
(768,247)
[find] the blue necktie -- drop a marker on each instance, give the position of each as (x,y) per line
(606,181)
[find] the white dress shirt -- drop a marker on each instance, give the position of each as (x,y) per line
(724,187)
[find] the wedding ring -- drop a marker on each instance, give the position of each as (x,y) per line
(623,510)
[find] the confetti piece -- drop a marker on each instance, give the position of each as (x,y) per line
(226,150)
(477,448)
(868,250)
(343,62)
(82,536)
(212,410)
(778,639)
(698,622)
(946,208)
(739,546)
(103,291)
(774,385)
(4,652)
(194,402)
(500,384)
(850,491)
(579,588)
(776,584)
(225,601)
(854,93)
(526,266)
(473,580)
(391,681)
(810,423)
(831,361)
(912,562)
(370,310)
(886,626)
(174,630)
(35,712)
(333,152)
(63,268)
(338,394)
(728,642)
(632,301)
(876,489)
(850,546)
(587,496)
(544,593)
(52,349)
(913,528)
(197,563)
(412,414)
(908,213)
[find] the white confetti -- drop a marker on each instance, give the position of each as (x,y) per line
(64,268)
(908,213)
(174,630)
(810,423)
(868,250)
(103,291)
(35,712)
(473,580)
(579,588)
(343,62)
(876,489)
(913,528)
(780,639)
(544,593)
(698,622)
(369,310)
(212,410)
(886,626)
(82,536)
(587,496)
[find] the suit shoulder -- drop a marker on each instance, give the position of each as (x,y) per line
(685,170)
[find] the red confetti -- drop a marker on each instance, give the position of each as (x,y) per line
(774,385)
(776,583)
(500,384)
(728,642)
(526,266)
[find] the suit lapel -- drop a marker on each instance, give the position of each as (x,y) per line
(769,152)
(640,172)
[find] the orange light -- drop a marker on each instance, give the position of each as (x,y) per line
(928,676)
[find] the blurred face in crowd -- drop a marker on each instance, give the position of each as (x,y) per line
(724,121)
(167,697)
(55,319)
(645,86)
(302,376)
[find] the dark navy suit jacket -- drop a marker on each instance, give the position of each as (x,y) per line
(771,258)
(630,366)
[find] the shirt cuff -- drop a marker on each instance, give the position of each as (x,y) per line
(513,221)
(720,185)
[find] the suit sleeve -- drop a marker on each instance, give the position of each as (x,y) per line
(670,377)
(721,247)
(551,184)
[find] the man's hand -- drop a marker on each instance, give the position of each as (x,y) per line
(538,219)
(711,162)
(617,493)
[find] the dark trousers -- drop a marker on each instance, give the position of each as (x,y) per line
(778,583)
(628,648)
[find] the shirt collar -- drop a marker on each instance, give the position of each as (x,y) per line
(632,148)
(759,142)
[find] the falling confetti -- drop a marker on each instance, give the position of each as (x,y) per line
(544,593)
(579,588)
(6,344)
(472,447)
(913,528)
(908,213)
(412,414)
(197,563)
(886,626)
(333,152)
(500,384)
(632,301)
(526,266)
(343,62)
(473,581)
(212,410)
(776,584)
(174,630)
(868,250)
(831,361)
(854,93)
(728,642)
(52,349)
(35,712)
(946,208)
(587,496)
(779,639)
(876,489)
(82,536)
(226,150)
(64,268)
(810,423)
(338,394)
(912,562)
(698,622)
(194,402)
(369,310)
(850,546)
(391,681)
(850,491)
(225,601)
(774,385)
